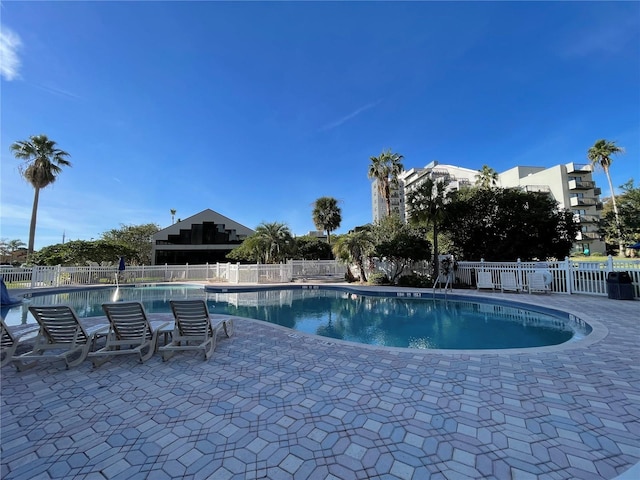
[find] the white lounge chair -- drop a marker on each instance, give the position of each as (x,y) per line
(130,332)
(193,329)
(536,282)
(11,340)
(61,336)
(509,282)
(484,280)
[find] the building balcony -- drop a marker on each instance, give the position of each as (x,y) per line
(581,184)
(536,188)
(583,202)
(579,167)
(586,218)
(588,236)
(597,191)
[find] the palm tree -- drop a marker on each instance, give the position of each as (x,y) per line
(43,162)
(327,216)
(355,248)
(427,204)
(277,240)
(487,178)
(385,170)
(173,215)
(600,155)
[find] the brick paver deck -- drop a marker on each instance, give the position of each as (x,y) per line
(277,404)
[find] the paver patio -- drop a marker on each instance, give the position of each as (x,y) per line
(278,404)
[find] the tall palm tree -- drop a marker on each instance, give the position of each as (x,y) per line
(355,248)
(426,204)
(43,162)
(385,169)
(600,155)
(487,177)
(173,215)
(327,215)
(277,240)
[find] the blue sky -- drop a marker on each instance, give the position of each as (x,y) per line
(255,110)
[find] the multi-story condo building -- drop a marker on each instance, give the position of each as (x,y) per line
(379,203)
(571,185)
(409,179)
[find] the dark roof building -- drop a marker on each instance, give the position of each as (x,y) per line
(206,237)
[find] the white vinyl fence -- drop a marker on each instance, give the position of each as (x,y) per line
(235,273)
(568,276)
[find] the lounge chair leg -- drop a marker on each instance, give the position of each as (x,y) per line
(97,361)
(149,354)
(21,366)
(228,327)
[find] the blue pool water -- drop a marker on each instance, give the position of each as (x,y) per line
(400,321)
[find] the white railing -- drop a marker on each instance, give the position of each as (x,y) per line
(568,276)
(57,276)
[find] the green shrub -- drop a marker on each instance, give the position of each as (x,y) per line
(378,279)
(414,280)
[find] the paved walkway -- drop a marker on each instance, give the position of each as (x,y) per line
(277,404)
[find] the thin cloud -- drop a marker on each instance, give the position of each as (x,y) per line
(57,91)
(10,43)
(346,118)
(609,39)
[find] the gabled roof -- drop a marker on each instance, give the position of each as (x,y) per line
(207,215)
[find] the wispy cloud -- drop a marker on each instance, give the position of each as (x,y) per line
(608,38)
(10,44)
(346,118)
(57,91)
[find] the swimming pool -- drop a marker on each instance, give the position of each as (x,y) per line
(401,319)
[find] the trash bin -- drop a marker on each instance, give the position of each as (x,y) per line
(619,286)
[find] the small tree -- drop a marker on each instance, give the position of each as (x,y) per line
(276,239)
(311,248)
(81,252)
(628,214)
(137,238)
(355,248)
(399,245)
(253,249)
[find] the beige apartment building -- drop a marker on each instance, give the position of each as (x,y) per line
(571,185)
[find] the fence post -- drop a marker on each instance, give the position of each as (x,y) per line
(609,264)
(568,275)
(519,269)
(33,276)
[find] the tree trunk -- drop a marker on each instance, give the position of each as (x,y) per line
(615,212)
(387,197)
(363,275)
(32,227)
(436,263)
